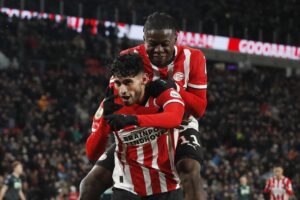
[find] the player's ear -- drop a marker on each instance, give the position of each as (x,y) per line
(145,78)
(176,35)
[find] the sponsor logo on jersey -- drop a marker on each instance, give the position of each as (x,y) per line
(99,113)
(178,76)
(174,94)
(141,136)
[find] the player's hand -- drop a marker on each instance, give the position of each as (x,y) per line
(109,105)
(172,84)
(118,121)
(155,88)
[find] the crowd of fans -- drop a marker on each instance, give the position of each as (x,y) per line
(269,20)
(54,81)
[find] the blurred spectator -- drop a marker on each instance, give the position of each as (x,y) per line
(244,191)
(73,194)
(12,188)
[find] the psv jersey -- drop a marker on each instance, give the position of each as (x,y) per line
(188,68)
(279,189)
(144,156)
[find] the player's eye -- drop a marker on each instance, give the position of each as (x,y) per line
(127,82)
(117,83)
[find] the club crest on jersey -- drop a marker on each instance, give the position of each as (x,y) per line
(178,76)
(99,113)
(141,136)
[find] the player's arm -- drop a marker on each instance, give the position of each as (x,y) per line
(172,114)
(195,95)
(21,195)
(3,191)
(267,186)
(165,98)
(289,188)
(96,142)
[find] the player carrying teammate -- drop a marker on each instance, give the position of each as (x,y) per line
(145,143)
(185,69)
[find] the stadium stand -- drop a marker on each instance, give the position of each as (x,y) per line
(52,79)
(271,21)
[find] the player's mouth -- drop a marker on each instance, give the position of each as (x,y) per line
(125,98)
(159,56)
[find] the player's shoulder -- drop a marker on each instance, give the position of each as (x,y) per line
(193,51)
(170,93)
(137,49)
(8,179)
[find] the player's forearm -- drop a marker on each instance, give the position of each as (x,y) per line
(195,104)
(2,191)
(171,117)
(96,142)
(21,195)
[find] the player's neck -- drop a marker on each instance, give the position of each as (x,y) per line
(142,98)
(279,177)
(16,174)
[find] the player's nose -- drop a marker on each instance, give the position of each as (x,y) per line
(122,90)
(158,49)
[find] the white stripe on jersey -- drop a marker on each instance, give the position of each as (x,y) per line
(156,74)
(171,151)
(162,179)
(155,155)
(197,86)
(186,64)
(146,174)
(163,182)
(124,172)
(172,101)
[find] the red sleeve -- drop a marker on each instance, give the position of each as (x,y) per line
(96,142)
(195,95)
(130,50)
(267,187)
(195,101)
(171,117)
(289,188)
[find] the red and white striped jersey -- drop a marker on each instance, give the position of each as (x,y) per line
(279,189)
(188,68)
(144,156)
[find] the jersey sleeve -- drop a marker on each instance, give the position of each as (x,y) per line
(267,186)
(198,72)
(173,109)
(130,50)
(96,142)
(288,187)
(195,94)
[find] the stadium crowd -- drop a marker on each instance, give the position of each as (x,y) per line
(276,19)
(52,79)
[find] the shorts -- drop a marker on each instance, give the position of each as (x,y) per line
(189,146)
(119,194)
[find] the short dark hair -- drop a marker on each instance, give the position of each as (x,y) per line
(127,65)
(159,21)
